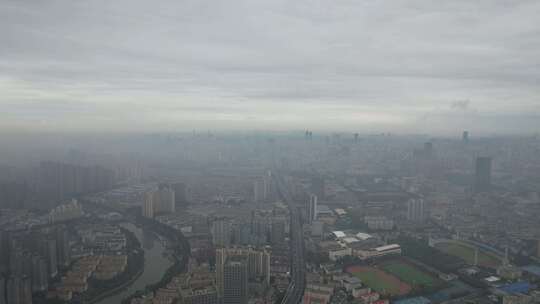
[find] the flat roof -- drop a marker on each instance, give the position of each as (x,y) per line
(340,211)
(363,236)
(339,234)
(349,240)
(492,279)
(388,247)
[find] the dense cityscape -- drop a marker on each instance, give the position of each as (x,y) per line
(269,152)
(276,218)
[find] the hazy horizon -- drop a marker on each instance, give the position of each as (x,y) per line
(404,67)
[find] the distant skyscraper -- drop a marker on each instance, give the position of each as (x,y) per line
(415,210)
(267,180)
(19,290)
(483,174)
(4,251)
(235,281)
(278,232)
(465,137)
(180,193)
(148,204)
(428,149)
(166,199)
(13,290)
(48,250)
(312,208)
(221,233)
(63,248)
(258,190)
(317,186)
(25,290)
(2,290)
(39,274)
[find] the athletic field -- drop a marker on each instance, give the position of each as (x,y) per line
(379,280)
(466,253)
(410,274)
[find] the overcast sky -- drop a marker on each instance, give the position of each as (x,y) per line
(363,65)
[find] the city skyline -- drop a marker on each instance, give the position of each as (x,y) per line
(370,66)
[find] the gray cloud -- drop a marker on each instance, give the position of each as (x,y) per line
(268,64)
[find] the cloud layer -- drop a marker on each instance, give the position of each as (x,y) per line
(368,65)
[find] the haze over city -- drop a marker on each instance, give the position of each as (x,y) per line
(369,66)
(269,152)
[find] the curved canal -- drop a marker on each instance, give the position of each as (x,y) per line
(155,264)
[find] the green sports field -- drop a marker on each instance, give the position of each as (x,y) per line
(410,274)
(466,253)
(379,280)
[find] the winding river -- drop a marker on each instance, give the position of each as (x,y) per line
(155,264)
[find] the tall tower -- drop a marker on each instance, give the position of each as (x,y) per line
(415,210)
(482,180)
(148,204)
(180,193)
(235,281)
(221,233)
(259,190)
(312,208)
(13,287)
(465,137)
(317,186)
(2,290)
(166,199)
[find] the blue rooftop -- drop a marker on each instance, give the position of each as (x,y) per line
(519,287)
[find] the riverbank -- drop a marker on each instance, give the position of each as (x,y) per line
(155,264)
(181,251)
(117,289)
(100,290)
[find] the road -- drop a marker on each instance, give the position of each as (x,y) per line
(295,291)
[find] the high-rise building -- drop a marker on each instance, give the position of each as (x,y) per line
(180,194)
(312,208)
(4,251)
(267,181)
(258,190)
(16,261)
(48,250)
(166,199)
(465,137)
(483,174)
(2,290)
(39,274)
(66,212)
(428,149)
(277,235)
(318,187)
(221,233)
(257,262)
(148,204)
(59,181)
(159,201)
(235,280)
(13,290)
(415,210)
(63,249)
(25,290)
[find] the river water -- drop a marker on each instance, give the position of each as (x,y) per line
(155,264)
